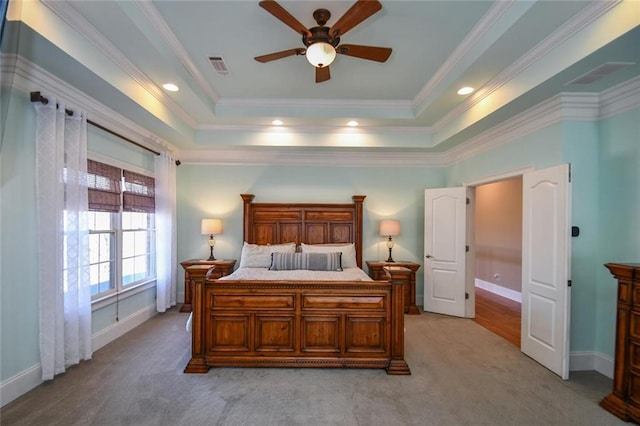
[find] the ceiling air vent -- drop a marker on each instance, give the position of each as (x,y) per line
(598,73)
(219,65)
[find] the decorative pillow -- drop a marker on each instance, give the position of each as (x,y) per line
(259,256)
(348,252)
(308,261)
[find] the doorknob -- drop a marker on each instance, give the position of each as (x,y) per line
(429,256)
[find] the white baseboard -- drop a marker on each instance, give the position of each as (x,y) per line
(587,361)
(578,361)
(111,333)
(30,378)
(499,290)
(20,384)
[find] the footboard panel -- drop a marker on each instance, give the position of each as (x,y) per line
(298,324)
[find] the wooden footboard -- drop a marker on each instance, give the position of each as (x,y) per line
(355,324)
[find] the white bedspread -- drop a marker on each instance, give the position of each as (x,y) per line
(348,274)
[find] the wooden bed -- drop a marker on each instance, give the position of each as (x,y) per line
(345,324)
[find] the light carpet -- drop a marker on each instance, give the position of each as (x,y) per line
(462,374)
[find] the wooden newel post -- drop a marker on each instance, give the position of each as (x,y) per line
(198,276)
(397,276)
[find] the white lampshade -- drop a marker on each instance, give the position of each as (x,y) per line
(389,228)
(211,227)
(321,54)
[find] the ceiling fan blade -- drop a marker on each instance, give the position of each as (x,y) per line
(372,53)
(280,55)
(279,12)
(360,11)
(322,74)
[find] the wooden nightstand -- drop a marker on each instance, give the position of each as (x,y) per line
(222,268)
(376,272)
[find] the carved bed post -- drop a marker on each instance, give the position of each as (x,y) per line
(197,364)
(246,227)
(358,200)
(397,276)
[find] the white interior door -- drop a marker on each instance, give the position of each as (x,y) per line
(545,268)
(445,231)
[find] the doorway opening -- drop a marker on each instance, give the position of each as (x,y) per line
(498,257)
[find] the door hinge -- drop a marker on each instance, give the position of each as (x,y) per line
(466,248)
(468,200)
(466,296)
(568,283)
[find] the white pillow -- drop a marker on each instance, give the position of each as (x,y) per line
(348,252)
(259,256)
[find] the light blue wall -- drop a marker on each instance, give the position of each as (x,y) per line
(605,158)
(580,149)
(19,300)
(214,191)
(19,348)
(605,163)
(537,150)
(619,220)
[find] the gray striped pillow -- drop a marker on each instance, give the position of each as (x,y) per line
(308,261)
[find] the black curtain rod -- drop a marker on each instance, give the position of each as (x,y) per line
(37,97)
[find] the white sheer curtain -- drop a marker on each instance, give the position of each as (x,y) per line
(63,238)
(166,256)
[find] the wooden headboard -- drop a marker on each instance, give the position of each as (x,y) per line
(309,223)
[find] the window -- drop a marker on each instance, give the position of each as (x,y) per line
(122,229)
(102,250)
(138,243)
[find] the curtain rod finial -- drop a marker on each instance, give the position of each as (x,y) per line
(37,97)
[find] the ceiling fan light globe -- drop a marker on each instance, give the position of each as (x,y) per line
(321,54)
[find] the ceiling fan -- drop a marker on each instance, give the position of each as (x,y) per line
(323,43)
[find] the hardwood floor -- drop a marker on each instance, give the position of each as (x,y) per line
(498,314)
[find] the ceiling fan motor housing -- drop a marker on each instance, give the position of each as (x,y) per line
(320,33)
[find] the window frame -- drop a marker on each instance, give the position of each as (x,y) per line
(150,254)
(114,247)
(120,289)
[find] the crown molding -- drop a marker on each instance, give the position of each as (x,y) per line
(493,15)
(315,103)
(542,115)
(366,108)
(562,107)
(27,77)
(76,21)
(170,39)
(620,99)
(581,20)
(334,158)
(402,130)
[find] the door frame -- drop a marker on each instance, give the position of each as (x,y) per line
(470,230)
(509,174)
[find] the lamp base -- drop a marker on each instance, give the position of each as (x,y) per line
(390,259)
(211,254)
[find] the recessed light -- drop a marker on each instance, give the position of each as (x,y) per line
(352,123)
(465,90)
(277,122)
(170,87)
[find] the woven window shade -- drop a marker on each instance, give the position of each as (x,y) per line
(139,195)
(103,182)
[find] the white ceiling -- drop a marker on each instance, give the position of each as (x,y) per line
(515,53)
